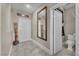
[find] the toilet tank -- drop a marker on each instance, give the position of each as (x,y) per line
(71,36)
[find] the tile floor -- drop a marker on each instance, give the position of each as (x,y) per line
(65,52)
(27,49)
(31,49)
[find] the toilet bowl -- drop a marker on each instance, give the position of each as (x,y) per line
(70,41)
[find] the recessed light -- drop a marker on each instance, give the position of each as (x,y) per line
(28,6)
(23,15)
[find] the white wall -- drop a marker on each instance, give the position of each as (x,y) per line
(77,30)
(0,29)
(6,31)
(34,26)
(14,19)
(69,20)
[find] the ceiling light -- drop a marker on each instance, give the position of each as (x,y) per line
(23,15)
(28,6)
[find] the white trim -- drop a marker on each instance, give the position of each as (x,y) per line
(42,47)
(25,41)
(51,32)
(10,51)
(0,28)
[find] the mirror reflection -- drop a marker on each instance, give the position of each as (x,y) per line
(42,24)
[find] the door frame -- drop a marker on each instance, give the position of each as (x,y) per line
(51,27)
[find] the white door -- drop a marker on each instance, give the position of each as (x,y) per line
(57,31)
(24,29)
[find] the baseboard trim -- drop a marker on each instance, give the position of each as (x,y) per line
(42,47)
(10,51)
(24,41)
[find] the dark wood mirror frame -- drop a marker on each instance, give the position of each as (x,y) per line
(44,25)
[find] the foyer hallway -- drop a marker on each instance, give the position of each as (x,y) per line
(21,25)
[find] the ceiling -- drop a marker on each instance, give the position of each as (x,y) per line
(34,6)
(69,5)
(22,7)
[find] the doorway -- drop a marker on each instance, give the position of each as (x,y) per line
(60,28)
(24,29)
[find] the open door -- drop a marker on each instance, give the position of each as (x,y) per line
(57,18)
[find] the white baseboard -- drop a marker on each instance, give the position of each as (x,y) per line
(42,47)
(10,51)
(24,40)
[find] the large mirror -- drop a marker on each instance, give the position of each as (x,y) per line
(42,24)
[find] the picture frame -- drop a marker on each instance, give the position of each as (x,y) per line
(42,24)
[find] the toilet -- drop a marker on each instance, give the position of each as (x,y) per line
(70,41)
